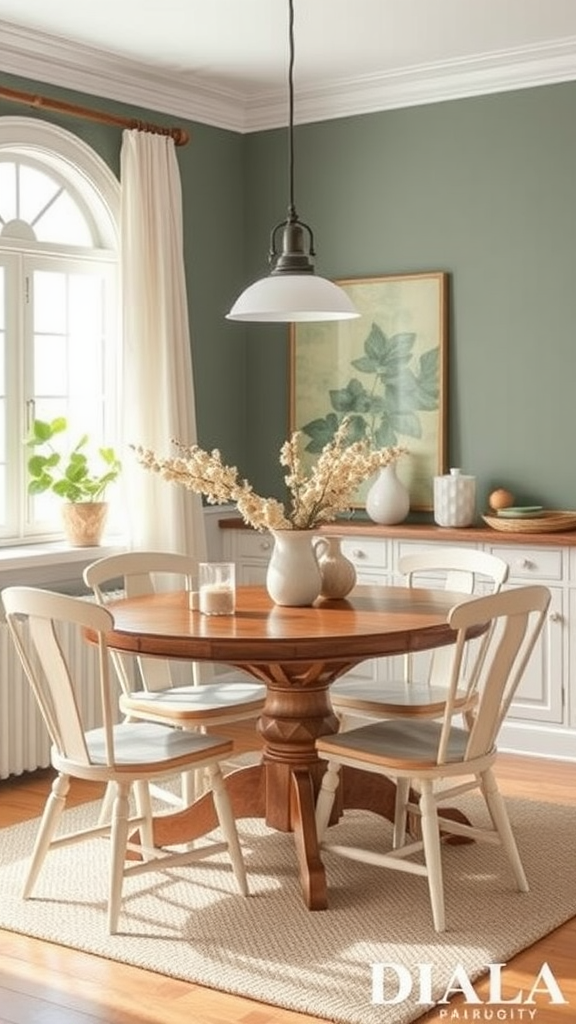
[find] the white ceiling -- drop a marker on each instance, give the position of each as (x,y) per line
(224,62)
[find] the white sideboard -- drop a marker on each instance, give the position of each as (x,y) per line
(542,719)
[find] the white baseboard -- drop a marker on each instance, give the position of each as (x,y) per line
(540,741)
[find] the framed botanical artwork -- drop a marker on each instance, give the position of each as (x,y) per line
(387,370)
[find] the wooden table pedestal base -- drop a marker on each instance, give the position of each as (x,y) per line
(247,791)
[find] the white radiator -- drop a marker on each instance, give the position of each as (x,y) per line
(24,741)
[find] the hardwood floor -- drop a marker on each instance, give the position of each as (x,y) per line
(49,984)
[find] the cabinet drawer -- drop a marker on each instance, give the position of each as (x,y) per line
(411,548)
(530,564)
(254,545)
(366,553)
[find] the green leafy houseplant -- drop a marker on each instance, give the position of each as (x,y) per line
(71,476)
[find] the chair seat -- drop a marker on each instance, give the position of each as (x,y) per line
(151,746)
(402,744)
(385,700)
(196,704)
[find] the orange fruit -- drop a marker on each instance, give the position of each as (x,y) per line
(500,498)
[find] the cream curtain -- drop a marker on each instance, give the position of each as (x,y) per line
(158,390)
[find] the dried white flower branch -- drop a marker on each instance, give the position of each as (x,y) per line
(315,498)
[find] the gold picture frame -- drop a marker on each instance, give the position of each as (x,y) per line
(387,370)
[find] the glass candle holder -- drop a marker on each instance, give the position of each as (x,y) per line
(193,589)
(217,588)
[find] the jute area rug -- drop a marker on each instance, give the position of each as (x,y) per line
(191,924)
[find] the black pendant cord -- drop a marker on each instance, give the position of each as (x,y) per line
(291,207)
(297,245)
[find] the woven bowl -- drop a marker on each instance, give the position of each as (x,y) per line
(548,522)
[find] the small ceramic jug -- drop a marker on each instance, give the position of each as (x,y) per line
(337,572)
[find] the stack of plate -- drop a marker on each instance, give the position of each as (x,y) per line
(520,512)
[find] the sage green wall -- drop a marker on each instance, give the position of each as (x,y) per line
(484,189)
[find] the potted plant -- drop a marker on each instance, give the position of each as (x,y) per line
(71,476)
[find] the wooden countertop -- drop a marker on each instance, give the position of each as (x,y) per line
(429,531)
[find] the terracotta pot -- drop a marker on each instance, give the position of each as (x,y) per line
(84,522)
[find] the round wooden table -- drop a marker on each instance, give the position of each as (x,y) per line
(297,653)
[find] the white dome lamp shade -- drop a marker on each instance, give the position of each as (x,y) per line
(289,298)
(292,293)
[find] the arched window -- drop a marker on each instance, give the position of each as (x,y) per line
(59,347)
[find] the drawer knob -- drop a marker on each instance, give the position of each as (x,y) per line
(526,563)
(555,617)
(265,545)
(357,553)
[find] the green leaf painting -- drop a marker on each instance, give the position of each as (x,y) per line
(385,370)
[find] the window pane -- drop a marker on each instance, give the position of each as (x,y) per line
(63,221)
(45,508)
(69,331)
(49,302)
(2,331)
(41,207)
(3,509)
(7,191)
(4,512)
(69,365)
(2,494)
(36,191)
(50,375)
(86,317)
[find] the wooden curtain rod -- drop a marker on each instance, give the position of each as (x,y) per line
(180,135)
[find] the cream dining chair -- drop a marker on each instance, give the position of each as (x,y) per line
(126,756)
(443,759)
(462,570)
(148,688)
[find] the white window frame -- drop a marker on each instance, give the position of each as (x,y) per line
(72,161)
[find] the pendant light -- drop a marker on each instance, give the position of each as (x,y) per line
(292,292)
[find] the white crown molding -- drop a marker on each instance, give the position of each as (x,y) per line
(48,59)
(502,71)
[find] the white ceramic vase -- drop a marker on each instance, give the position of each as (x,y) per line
(293,576)
(454,499)
(388,500)
(337,572)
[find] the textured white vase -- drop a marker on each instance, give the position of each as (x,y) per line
(293,576)
(454,499)
(388,500)
(337,572)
